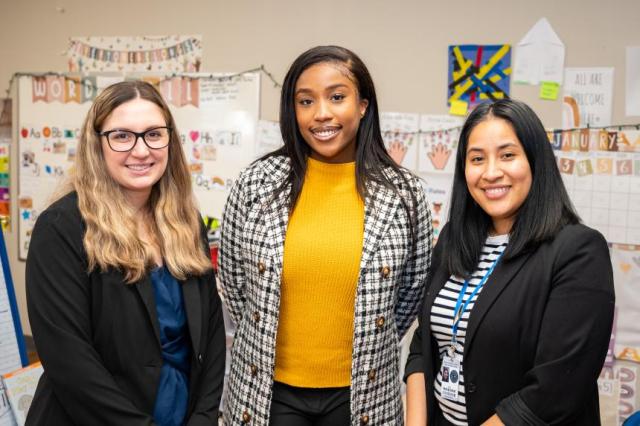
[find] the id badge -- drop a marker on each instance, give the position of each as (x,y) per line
(450,377)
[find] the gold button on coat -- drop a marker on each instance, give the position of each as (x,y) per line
(380,322)
(385,271)
(372,374)
(364,419)
(254,370)
(256,316)
(246,417)
(261,267)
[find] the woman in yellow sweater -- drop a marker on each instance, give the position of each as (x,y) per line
(325,248)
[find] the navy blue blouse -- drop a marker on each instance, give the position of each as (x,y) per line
(173,390)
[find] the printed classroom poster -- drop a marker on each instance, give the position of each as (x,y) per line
(601,171)
(438,142)
(478,73)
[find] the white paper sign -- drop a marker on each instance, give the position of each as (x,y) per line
(632,91)
(539,56)
(588,97)
(268,137)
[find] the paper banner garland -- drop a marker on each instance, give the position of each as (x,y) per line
(178,53)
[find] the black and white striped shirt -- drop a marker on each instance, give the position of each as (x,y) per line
(442,313)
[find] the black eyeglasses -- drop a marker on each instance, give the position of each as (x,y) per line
(125,140)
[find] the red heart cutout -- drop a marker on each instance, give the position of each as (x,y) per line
(24,132)
(194,135)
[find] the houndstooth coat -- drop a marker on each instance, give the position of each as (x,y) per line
(389,292)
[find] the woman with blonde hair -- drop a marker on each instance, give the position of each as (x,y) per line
(121,295)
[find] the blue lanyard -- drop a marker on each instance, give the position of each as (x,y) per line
(458,311)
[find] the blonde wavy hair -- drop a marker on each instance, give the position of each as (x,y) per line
(111,238)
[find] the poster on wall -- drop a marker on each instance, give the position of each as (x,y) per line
(437,145)
(601,171)
(216,119)
(478,73)
(399,132)
(124,54)
(588,97)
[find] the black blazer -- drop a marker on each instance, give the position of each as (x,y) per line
(536,338)
(98,338)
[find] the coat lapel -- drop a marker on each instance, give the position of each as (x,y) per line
(497,282)
(145,290)
(276,210)
(193,307)
(379,211)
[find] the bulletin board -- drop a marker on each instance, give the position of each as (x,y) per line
(216,116)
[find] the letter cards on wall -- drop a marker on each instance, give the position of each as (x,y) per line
(216,118)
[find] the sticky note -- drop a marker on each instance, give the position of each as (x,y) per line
(549,90)
(458,108)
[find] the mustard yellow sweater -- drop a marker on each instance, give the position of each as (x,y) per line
(321,262)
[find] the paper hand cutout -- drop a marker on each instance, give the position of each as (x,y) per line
(439,156)
(397,150)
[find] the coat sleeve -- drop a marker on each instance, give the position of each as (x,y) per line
(415,360)
(414,275)
(212,379)
(574,334)
(230,271)
(58,300)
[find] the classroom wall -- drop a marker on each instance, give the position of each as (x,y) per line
(404,44)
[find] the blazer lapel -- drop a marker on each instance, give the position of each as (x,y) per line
(496,283)
(435,284)
(145,290)
(379,210)
(193,307)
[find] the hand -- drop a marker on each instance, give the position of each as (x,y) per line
(416,401)
(493,421)
(397,150)
(439,156)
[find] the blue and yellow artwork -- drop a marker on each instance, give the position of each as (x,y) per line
(478,73)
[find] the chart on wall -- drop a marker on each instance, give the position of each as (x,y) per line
(216,117)
(601,171)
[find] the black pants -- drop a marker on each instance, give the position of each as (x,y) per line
(292,406)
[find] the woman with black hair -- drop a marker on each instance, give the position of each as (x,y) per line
(325,248)
(520,302)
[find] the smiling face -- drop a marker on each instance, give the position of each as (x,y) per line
(497,172)
(328,111)
(136,171)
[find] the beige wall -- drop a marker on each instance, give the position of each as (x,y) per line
(404,43)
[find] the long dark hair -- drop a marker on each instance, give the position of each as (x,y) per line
(371,155)
(545,211)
